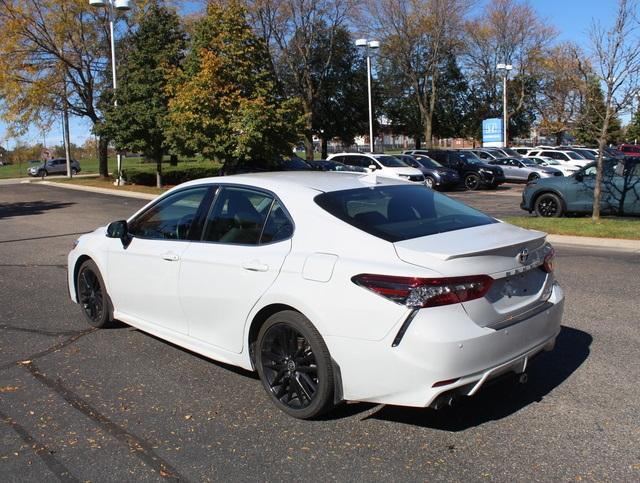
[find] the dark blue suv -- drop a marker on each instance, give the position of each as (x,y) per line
(574,194)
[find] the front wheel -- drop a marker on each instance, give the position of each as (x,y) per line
(74,171)
(472,181)
(43,173)
(294,365)
(429,182)
(549,205)
(92,295)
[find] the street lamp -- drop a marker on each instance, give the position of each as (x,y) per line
(505,68)
(369,45)
(122,6)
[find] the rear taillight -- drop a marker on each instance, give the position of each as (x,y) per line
(549,258)
(426,292)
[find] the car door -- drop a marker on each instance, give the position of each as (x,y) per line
(244,244)
(625,187)
(578,192)
(143,277)
(520,171)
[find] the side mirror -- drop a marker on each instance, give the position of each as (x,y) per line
(372,167)
(119,229)
(579,177)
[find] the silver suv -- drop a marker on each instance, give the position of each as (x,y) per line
(54,166)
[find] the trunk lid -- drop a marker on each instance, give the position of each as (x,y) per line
(512,256)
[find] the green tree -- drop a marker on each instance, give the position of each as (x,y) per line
(224,103)
(339,108)
(139,120)
(632,131)
(591,117)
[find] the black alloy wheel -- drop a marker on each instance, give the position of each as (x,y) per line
(549,205)
(92,295)
(472,181)
(294,365)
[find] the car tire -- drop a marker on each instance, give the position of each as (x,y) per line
(549,205)
(533,177)
(429,182)
(472,181)
(294,365)
(74,171)
(43,173)
(92,296)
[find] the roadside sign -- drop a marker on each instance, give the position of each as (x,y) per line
(492,132)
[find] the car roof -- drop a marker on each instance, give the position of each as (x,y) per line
(319,181)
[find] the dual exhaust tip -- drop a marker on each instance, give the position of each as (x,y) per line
(451,399)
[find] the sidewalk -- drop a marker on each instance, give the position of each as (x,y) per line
(576,241)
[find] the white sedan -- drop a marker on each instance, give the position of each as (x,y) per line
(333,286)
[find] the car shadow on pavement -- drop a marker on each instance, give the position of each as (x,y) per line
(500,400)
(25,208)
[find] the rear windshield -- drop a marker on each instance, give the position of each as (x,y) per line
(573,155)
(396,213)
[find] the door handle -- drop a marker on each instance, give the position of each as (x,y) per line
(255,266)
(170,257)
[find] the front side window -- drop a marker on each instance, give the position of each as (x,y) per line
(396,213)
(171,218)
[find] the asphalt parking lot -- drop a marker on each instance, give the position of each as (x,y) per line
(78,404)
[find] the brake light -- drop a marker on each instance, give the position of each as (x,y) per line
(549,258)
(426,292)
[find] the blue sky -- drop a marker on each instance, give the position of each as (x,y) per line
(572,19)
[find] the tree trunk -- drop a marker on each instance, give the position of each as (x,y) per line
(428,141)
(159,172)
(308,133)
(325,151)
(597,189)
(559,138)
(418,141)
(174,160)
(103,157)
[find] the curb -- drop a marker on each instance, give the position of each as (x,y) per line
(614,244)
(104,191)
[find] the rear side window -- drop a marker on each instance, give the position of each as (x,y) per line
(396,213)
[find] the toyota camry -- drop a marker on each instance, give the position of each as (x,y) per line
(332,286)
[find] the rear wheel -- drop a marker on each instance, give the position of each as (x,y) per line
(92,295)
(533,177)
(294,365)
(549,205)
(472,181)
(74,171)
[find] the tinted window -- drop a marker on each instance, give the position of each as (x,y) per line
(390,162)
(278,226)
(171,218)
(427,162)
(396,213)
(573,155)
(238,216)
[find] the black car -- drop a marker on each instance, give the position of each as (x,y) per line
(289,163)
(435,175)
(473,172)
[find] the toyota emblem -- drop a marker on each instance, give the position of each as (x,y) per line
(523,256)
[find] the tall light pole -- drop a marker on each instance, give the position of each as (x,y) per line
(505,68)
(369,45)
(123,6)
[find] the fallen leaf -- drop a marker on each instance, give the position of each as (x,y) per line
(9,389)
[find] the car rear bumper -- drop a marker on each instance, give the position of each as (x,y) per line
(442,351)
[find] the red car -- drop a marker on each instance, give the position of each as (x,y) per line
(630,150)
